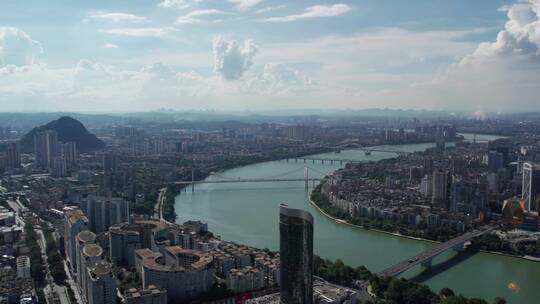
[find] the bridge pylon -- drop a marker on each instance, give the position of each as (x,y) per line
(459,247)
(306,174)
(427,263)
(192,180)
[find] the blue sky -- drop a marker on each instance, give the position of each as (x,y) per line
(261,54)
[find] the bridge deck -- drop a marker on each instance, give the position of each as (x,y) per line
(331,160)
(248,180)
(433,252)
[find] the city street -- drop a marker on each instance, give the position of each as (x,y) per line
(53,292)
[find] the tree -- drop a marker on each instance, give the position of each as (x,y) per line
(499,300)
(446,292)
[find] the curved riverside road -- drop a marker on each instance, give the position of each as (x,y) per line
(248,213)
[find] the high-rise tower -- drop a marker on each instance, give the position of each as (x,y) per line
(46,148)
(296,253)
(531,185)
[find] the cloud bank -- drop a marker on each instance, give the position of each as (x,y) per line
(17,48)
(500,75)
(431,69)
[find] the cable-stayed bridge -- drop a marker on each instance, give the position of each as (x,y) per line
(290,176)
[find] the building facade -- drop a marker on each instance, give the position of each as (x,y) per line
(101,285)
(45,148)
(151,295)
(531,185)
(76,222)
(126,238)
(83,238)
(185,274)
(440,186)
(103,212)
(296,253)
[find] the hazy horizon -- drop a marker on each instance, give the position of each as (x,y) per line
(261,55)
(283,111)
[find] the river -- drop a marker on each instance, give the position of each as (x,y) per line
(247,213)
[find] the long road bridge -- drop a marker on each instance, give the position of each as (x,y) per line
(369,150)
(322,160)
(285,177)
(247,180)
(425,258)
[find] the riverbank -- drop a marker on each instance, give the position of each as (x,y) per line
(343,222)
(396,234)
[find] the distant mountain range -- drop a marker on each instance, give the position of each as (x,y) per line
(69,130)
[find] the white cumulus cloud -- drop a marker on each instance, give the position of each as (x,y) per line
(110,46)
(117,17)
(245,5)
(180,4)
(498,76)
(270,8)
(17,48)
(278,78)
(232,59)
(316,11)
(156,32)
(520,37)
(199,16)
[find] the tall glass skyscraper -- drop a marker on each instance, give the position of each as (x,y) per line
(531,185)
(296,253)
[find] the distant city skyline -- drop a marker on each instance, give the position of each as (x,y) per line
(262,55)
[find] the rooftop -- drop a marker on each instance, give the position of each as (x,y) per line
(102,268)
(150,290)
(86,236)
(92,250)
(202,258)
(76,215)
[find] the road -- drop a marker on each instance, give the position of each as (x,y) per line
(17,206)
(53,292)
(158,212)
(158,208)
(72,283)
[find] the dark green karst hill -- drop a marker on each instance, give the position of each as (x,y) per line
(68,129)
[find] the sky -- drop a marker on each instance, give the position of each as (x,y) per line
(145,55)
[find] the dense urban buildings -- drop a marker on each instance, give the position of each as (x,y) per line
(110,209)
(146,148)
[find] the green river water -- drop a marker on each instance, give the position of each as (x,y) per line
(247,213)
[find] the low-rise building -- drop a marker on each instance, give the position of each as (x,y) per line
(12,287)
(125,238)
(185,274)
(245,279)
(151,295)
(23,267)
